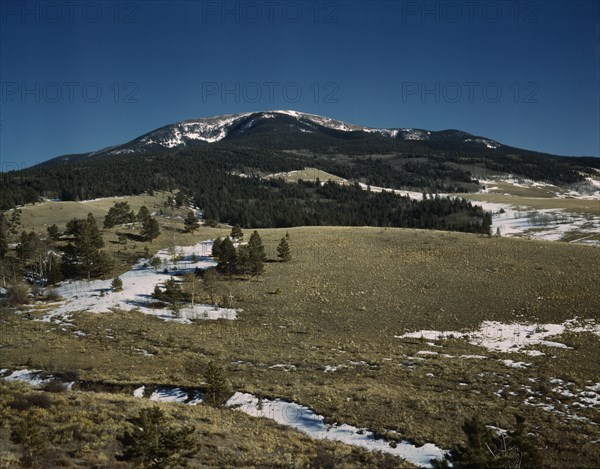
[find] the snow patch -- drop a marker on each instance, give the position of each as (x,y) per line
(304,419)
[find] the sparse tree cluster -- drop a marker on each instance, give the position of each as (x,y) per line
(119,214)
(83,256)
(247,259)
(154,442)
(487,447)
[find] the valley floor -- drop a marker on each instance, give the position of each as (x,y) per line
(402,333)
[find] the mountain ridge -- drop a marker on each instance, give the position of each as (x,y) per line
(213,129)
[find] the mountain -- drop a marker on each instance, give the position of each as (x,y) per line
(256,144)
(245,126)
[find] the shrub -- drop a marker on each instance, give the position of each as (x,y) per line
(24,402)
(18,294)
(152,443)
(55,386)
(51,294)
(117,284)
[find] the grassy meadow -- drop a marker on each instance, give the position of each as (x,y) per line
(319,330)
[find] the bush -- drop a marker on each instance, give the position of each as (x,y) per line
(18,294)
(55,386)
(24,402)
(116,285)
(51,294)
(153,443)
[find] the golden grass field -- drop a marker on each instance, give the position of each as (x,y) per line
(340,301)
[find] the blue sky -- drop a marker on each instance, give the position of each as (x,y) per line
(80,76)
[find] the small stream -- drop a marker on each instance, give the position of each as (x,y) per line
(283,412)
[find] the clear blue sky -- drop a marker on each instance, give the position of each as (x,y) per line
(80,76)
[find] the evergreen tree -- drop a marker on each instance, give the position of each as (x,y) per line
(143,214)
(83,255)
(150,229)
(53,269)
(191,222)
(243,264)
(119,214)
(217,385)
(485,448)
(256,253)
(152,443)
(237,233)
(117,284)
(227,257)
(53,232)
(283,250)
(216,248)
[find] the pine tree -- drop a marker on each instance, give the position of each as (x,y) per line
(216,248)
(283,250)
(53,270)
(237,233)
(256,253)
(217,385)
(227,257)
(143,214)
(152,443)
(150,229)
(53,232)
(83,255)
(117,284)
(191,222)
(119,214)
(243,260)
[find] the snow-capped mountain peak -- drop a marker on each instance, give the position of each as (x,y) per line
(208,130)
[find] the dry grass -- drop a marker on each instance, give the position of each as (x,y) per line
(340,301)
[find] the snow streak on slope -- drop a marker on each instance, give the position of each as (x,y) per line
(499,337)
(305,420)
(214,129)
(138,286)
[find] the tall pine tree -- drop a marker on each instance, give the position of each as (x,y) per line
(256,254)
(150,228)
(191,222)
(283,250)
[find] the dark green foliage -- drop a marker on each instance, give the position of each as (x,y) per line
(117,284)
(191,222)
(486,448)
(119,214)
(143,214)
(256,254)
(153,443)
(243,262)
(237,233)
(150,229)
(227,257)
(53,232)
(172,292)
(218,387)
(283,250)
(216,248)
(54,272)
(83,257)
(155,263)
(259,203)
